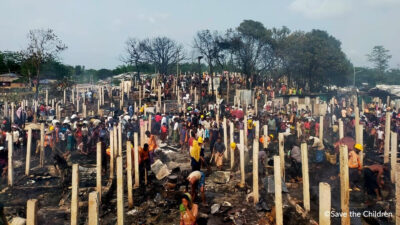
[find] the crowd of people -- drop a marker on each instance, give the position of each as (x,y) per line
(197,133)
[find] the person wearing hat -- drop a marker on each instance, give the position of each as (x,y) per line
(195,154)
(236,153)
(355,166)
(188,210)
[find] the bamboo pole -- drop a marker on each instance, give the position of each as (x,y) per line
(282,154)
(136,158)
(28,152)
(361,141)
(10,169)
(321,128)
(225,137)
(278,190)
(41,145)
(387,139)
(129,173)
(393,157)
(232,140)
(242,172)
(115,138)
(255,171)
(119,139)
(341,132)
(98,170)
(111,154)
(74,195)
(397,195)
(120,192)
(344,185)
(31,212)
(324,203)
(93,208)
(306,182)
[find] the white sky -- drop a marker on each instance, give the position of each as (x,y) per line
(95,30)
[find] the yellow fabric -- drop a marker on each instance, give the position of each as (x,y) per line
(195,151)
(200,140)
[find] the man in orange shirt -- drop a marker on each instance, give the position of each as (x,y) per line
(355,166)
(152,145)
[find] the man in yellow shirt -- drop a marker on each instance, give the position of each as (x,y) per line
(355,166)
(195,154)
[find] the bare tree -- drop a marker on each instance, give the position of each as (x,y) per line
(163,52)
(209,44)
(44,45)
(135,54)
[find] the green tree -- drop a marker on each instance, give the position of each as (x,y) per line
(379,57)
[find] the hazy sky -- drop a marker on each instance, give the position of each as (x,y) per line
(95,30)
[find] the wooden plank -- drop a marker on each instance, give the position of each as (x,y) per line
(393,157)
(324,203)
(129,173)
(93,208)
(136,158)
(10,170)
(28,153)
(74,195)
(242,173)
(41,145)
(98,170)
(387,139)
(306,181)
(31,212)
(282,154)
(231,140)
(255,170)
(112,154)
(344,185)
(278,190)
(120,192)
(225,137)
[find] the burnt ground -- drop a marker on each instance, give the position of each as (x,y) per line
(157,204)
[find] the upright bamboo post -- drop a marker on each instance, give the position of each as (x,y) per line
(321,128)
(119,139)
(393,157)
(387,139)
(242,172)
(306,182)
(115,133)
(225,138)
(129,173)
(10,169)
(98,170)
(278,190)
(341,132)
(41,145)
(245,121)
(111,154)
(31,212)
(231,130)
(74,195)
(344,185)
(136,158)
(324,203)
(255,170)
(120,192)
(398,194)
(93,208)
(28,152)
(361,142)
(282,154)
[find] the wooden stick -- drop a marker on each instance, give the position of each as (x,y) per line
(31,212)
(41,145)
(341,132)
(387,139)
(321,128)
(93,208)
(111,154)
(136,158)
(119,139)
(393,157)
(278,190)
(361,141)
(98,170)
(225,137)
(115,133)
(28,152)
(129,173)
(120,192)
(324,203)
(255,170)
(398,194)
(232,140)
(245,121)
(242,173)
(306,182)
(344,185)
(74,195)
(10,169)
(282,154)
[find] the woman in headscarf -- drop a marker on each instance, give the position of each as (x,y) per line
(188,210)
